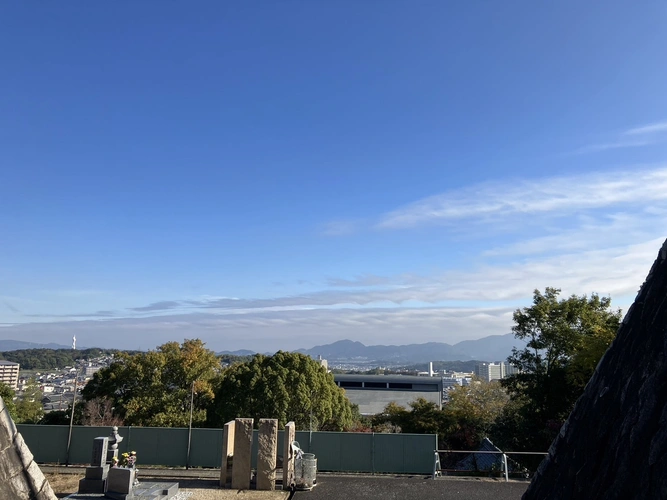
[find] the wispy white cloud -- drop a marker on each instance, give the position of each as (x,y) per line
(617,271)
(340,227)
(643,135)
(606,233)
(620,143)
(270,331)
(555,196)
(652,128)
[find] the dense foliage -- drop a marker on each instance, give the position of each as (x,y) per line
(157,388)
(7,394)
(52,359)
(462,422)
(565,340)
(29,406)
(286,386)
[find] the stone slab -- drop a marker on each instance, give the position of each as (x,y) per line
(267,453)
(99,456)
(20,477)
(120,480)
(288,455)
(227,451)
(92,485)
(100,472)
(241,471)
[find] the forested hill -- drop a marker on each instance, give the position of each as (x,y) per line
(52,359)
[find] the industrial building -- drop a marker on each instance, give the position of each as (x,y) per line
(372,393)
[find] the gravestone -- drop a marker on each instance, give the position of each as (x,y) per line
(96,474)
(119,483)
(614,443)
(267,453)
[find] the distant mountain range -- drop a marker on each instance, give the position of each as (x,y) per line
(493,348)
(16,345)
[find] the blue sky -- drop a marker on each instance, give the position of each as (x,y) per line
(269,175)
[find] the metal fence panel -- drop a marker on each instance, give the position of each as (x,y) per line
(158,446)
(335,451)
(206,448)
(46,444)
(418,452)
(389,452)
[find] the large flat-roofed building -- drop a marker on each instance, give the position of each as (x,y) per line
(9,373)
(373,392)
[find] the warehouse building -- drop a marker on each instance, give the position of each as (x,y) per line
(373,392)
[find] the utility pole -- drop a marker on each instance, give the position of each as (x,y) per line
(192,399)
(71,418)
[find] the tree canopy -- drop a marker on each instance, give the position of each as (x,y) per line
(565,339)
(29,406)
(461,424)
(155,388)
(286,386)
(7,394)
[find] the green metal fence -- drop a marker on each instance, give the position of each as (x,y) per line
(335,451)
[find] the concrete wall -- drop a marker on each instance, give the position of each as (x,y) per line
(335,451)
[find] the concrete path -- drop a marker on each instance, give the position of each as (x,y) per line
(411,488)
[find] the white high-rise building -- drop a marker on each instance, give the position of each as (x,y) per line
(494,371)
(9,373)
(490,371)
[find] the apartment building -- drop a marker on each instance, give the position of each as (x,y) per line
(9,373)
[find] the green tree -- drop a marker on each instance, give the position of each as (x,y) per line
(472,412)
(29,406)
(423,417)
(7,394)
(155,388)
(285,386)
(565,339)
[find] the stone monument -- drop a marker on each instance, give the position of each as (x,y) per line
(267,454)
(614,443)
(241,470)
(114,440)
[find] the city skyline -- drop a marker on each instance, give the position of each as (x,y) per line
(273,177)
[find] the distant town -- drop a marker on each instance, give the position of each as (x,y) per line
(358,375)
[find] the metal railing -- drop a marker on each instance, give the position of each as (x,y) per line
(505,468)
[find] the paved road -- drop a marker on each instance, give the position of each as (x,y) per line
(413,488)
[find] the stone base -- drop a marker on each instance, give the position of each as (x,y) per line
(92,485)
(100,472)
(143,491)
